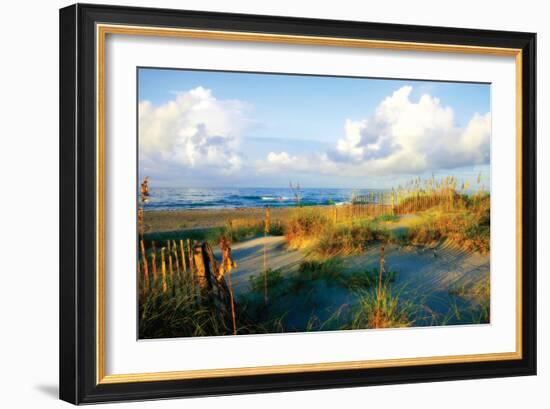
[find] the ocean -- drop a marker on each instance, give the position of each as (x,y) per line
(167,198)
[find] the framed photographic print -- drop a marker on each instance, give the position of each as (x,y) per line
(257,203)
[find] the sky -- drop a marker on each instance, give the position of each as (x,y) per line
(228,129)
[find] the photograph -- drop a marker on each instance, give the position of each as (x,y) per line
(281,203)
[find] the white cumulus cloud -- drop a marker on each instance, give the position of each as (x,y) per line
(402,136)
(193,130)
(406,136)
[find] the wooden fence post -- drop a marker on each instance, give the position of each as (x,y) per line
(190,256)
(140,222)
(176,258)
(211,265)
(184,265)
(163,269)
(170,269)
(267,223)
(226,266)
(200,268)
(145,267)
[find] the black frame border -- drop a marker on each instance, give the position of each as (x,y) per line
(78,197)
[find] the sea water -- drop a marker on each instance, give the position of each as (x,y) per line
(172,198)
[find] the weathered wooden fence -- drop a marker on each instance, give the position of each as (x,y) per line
(187,266)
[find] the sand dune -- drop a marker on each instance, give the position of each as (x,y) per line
(429,272)
(250,259)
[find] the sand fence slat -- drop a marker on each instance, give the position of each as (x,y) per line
(163,269)
(145,267)
(183,262)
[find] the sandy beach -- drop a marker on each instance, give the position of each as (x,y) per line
(170,220)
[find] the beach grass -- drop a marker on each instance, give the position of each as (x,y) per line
(304,225)
(478,296)
(347,239)
(302,290)
(212,235)
(179,315)
(383,309)
(467,227)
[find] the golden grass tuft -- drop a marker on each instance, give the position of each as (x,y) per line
(304,227)
(467,227)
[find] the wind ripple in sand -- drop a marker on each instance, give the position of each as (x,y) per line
(426,269)
(249,256)
(421,269)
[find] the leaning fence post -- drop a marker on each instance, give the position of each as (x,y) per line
(198,261)
(210,262)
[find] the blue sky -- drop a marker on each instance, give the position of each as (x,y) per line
(205,128)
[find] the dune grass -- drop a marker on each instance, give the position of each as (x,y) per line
(346,239)
(384,309)
(361,280)
(187,312)
(301,290)
(181,315)
(478,294)
(303,227)
(213,235)
(441,212)
(468,227)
